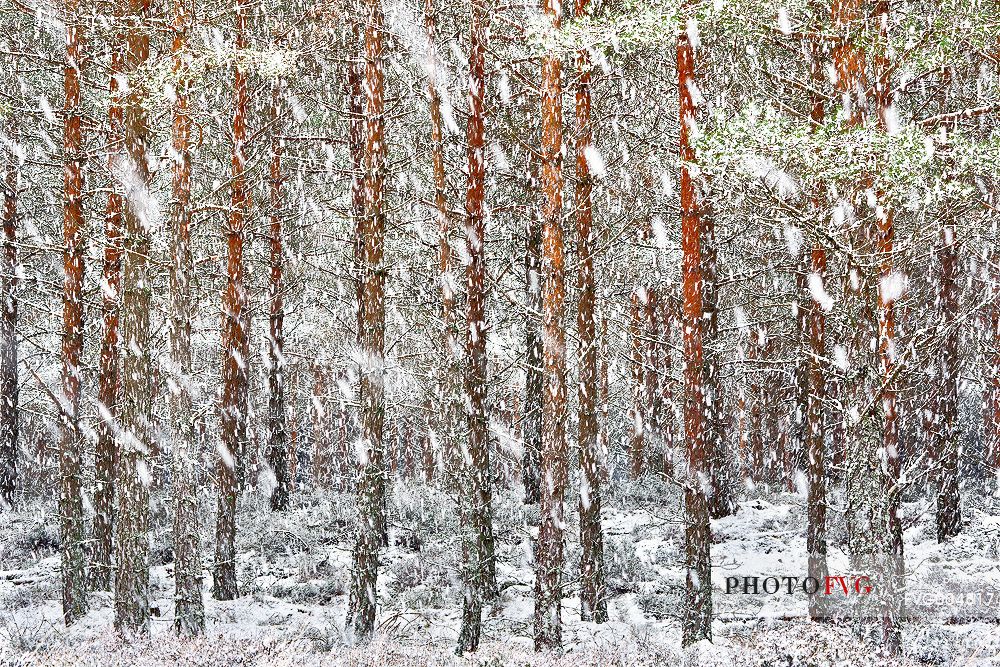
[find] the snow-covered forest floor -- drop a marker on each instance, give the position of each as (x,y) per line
(294,569)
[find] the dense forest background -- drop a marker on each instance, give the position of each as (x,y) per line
(413,310)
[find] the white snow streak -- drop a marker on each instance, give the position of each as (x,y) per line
(819,293)
(595,162)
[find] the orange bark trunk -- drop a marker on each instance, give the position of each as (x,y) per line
(593,602)
(555,468)
(74,591)
(697,622)
(106,455)
(235,343)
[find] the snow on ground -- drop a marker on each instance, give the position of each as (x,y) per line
(294,573)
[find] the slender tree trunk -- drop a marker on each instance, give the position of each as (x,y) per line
(534,378)
(773,414)
(451,352)
(319,408)
(429,460)
(603,401)
(783,459)
(480,565)
(651,379)
(637,442)
(665,392)
(947,434)
(815,353)
(848,62)
(743,423)
(189,608)
(864,479)
(356,146)
(74,560)
(9,421)
(393,445)
(721,501)
(106,455)
(892,634)
(658,382)
(132,544)
(991,413)
(593,594)
(554,468)
(893,604)
(344,468)
(293,434)
(371,338)
(816,442)
(838,430)
(755,427)
(697,623)
(235,343)
(798,447)
(277,427)
(409,462)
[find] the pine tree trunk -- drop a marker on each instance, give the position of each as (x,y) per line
(106,455)
(370,531)
(235,344)
(593,593)
(947,435)
(816,543)
(132,168)
(637,415)
(533,377)
(409,461)
(356,146)
(450,368)
(755,422)
(815,353)
(784,453)
(773,413)
(848,61)
(480,563)
(277,451)
(697,622)
(9,420)
(428,457)
(893,594)
(603,402)
(293,434)
(651,379)
(344,468)
(838,429)
(991,381)
(892,634)
(74,560)
(318,408)
(665,391)
(554,463)
(864,481)
(798,449)
(189,608)
(721,501)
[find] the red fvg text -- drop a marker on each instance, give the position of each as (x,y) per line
(829,585)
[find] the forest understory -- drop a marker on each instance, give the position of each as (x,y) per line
(294,573)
